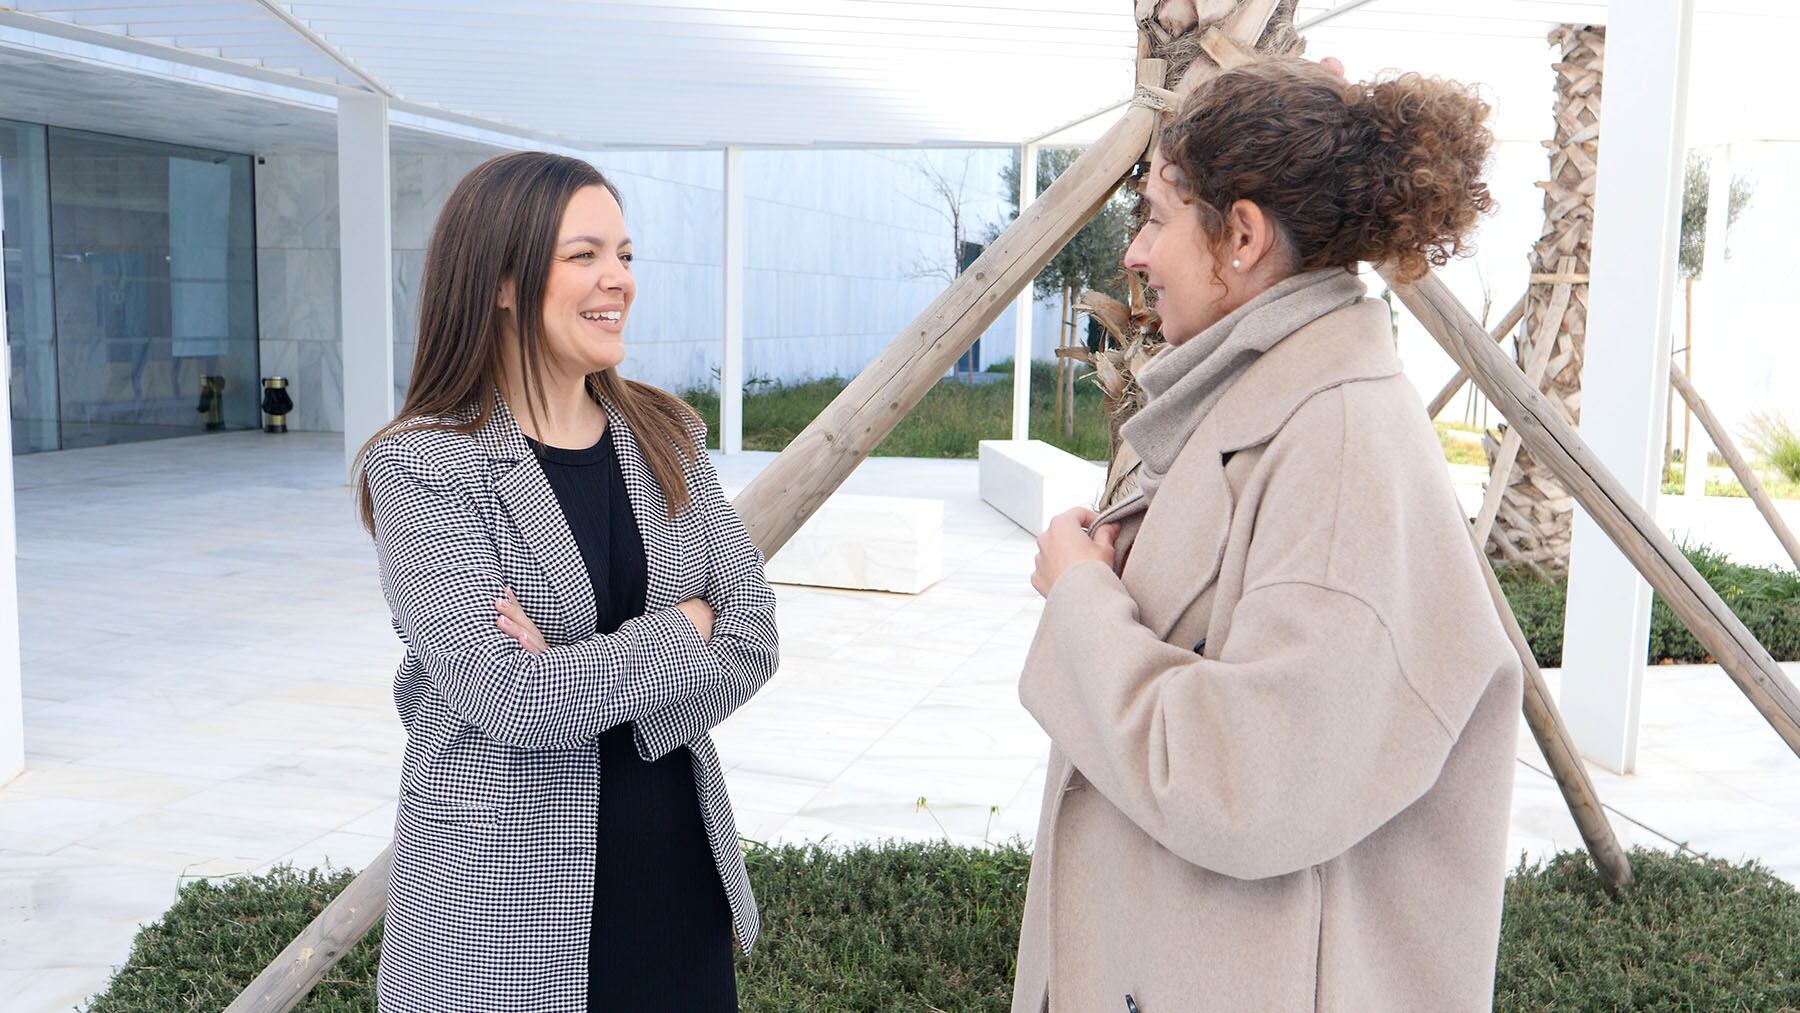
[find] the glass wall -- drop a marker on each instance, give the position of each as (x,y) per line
(30,310)
(130,288)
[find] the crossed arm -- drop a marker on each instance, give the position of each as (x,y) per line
(442,578)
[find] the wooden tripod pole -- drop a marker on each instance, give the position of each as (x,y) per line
(1542,717)
(1558,747)
(1542,343)
(1498,333)
(1746,476)
(1555,443)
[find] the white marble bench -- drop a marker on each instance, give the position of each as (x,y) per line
(869,543)
(1031,481)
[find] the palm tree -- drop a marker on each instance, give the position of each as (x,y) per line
(1536,513)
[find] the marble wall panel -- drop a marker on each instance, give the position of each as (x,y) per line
(289,209)
(319,389)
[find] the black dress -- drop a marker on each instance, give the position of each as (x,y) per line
(661,935)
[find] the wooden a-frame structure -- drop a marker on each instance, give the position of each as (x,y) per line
(1176,51)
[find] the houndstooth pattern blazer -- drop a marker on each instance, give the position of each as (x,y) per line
(491,897)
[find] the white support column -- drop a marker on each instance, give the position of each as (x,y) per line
(366,267)
(12,684)
(1022,309)
(1713,317)
(1626,373)
(731,368)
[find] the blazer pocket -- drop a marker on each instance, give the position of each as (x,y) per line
(432,809)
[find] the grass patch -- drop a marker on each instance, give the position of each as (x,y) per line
(1765,598)
(1461,443)
(911,928)
(954,417)
(1774,483)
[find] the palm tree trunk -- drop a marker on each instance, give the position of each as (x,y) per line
(1538,512)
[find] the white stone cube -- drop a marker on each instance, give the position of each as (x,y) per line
(1031,481)
(869,543)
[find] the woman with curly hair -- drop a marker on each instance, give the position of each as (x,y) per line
(1281,707)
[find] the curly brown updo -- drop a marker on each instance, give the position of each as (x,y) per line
(1385,171)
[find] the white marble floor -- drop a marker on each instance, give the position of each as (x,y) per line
(207,664)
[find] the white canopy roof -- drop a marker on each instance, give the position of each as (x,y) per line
(671,73)
(596,74)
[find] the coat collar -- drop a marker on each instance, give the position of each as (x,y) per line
(499,435)
(1170,564)
(1354,343)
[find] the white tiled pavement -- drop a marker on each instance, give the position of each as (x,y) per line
(207,664)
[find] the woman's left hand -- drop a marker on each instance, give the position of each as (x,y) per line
(516,624)
(1067,542)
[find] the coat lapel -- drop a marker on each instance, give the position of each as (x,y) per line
(651,510)
(564,613)
(1175,558)
(1180,546)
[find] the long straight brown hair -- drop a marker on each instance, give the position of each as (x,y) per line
(501,222)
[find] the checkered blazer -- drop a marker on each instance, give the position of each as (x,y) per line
(491,898)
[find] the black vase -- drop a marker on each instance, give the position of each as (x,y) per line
(276,403)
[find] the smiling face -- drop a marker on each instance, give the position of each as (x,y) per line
(589,289)
(1176,256)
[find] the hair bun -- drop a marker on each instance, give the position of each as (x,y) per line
(1387,171)
(1424,170)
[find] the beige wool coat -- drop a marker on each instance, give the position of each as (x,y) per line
(1282,737)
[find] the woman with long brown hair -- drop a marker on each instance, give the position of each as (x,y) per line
(1281,707)
(579,606)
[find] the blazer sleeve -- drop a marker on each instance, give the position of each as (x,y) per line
(441,575)
(744,642)
(1301,738)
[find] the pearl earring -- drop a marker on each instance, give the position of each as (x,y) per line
(1237,265)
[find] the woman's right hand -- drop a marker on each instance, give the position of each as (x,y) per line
(700,614)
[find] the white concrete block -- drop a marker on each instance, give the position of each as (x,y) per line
(869,543)
(1031,481)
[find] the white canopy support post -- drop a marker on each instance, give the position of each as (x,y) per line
(1715,312)
(12,684)
(1022,309)
(1626,373)
(366,265)
(731,366)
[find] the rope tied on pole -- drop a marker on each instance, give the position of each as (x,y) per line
(1161,100)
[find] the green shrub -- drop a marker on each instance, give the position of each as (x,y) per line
(1774,439)
(221,933)
(912,928)
(1693,934)
(1765,599)
(878,927)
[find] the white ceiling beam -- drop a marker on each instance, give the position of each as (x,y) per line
(1337,11)
(294,24)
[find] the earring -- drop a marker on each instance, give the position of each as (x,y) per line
(1237,265)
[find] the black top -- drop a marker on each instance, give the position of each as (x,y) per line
(662,927)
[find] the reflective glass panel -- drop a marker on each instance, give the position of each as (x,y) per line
(30,312)
(154,252)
